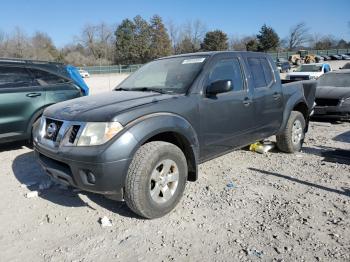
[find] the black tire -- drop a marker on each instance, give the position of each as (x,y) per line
(139,180)
(288,143)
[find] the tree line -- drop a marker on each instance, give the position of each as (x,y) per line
(137,41)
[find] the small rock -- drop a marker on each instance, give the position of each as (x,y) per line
(105,222)
(32,194)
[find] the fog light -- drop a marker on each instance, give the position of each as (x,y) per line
(90,177)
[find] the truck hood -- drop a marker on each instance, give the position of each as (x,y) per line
(102,107)
(316,74)
(332,92)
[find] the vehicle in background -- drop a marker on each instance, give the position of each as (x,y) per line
(144,141)
(345,57)
(318,59)
(282,65)
(26,88)
(336,57)
(309,71)
(84,73)
(326,58)
(346,66)
(333,96)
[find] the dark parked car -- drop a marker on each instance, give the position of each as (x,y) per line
(336,57)
(326,57)
(333,95)
(26,89)
(345,57)
(144,141)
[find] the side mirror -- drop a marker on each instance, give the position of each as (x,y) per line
(220,86)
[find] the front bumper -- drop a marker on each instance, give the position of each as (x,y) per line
(332,112)
(99,169)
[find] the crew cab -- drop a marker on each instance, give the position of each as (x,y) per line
(143,141)
(309,71)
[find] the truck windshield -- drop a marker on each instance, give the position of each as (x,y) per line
(309,68)
(170,75)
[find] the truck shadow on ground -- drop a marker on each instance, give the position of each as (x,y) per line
(329,154)
(345,192)
(11,146)
(28,172)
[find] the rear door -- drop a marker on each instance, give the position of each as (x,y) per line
(226,119)
(56,87)
(19,100)
(268,98)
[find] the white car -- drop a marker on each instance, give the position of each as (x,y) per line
(309,71)
(84,73)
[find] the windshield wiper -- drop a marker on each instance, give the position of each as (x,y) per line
(152,89)
(122,89)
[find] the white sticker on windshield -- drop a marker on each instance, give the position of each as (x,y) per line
(193,61)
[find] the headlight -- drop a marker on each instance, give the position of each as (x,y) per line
(345,102)
(98,133)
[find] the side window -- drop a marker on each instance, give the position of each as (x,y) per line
(228,69)
(45,78)
(267,70)
(14,77)
(257,72)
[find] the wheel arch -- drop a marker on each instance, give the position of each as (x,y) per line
(170,128)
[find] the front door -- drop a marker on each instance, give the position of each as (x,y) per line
(226,118)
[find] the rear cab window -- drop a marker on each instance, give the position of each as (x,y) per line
(227,69)
(261,71)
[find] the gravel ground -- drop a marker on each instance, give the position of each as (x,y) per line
(244,207)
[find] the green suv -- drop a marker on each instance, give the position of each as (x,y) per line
(26,89)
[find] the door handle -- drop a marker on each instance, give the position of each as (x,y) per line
(246,101)
(276,96)
(33,94)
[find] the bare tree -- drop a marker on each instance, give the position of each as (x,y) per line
(173,33)
(240,43)
(298,35)
(98,40)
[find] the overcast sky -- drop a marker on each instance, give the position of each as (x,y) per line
(63,19)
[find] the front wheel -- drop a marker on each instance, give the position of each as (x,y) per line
(156,179)
(292,137)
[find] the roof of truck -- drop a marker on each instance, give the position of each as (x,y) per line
(212,53)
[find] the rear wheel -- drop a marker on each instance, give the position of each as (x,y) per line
(156,179)
(292,137)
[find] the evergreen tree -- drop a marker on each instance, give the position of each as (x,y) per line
(252,45)
(215,41)
(142,40)
(160,41)
(125,50)
(268,39)
(185,46)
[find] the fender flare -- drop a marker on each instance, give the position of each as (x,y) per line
(291,103)
(148,126)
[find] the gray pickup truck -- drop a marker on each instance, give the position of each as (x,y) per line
(143,141)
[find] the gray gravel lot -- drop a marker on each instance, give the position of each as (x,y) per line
(244,207)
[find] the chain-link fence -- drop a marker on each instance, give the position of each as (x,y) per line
(127,69)
(111,69)
(286,55)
